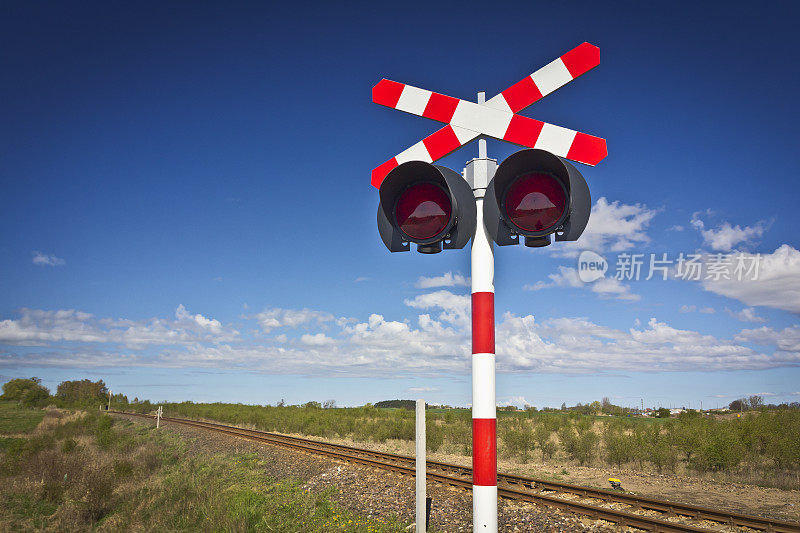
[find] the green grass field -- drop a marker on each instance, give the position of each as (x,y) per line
(761,447)
(15,419)
(88,472)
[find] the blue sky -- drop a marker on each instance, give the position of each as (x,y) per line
(186,209)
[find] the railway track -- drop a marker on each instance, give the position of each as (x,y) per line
(639,512)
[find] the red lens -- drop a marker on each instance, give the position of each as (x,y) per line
(535,202)
(423,211)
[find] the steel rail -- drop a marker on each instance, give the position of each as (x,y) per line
(405,465)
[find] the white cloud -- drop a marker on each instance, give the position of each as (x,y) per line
(455,307)
(40,328)
(777,283)
(725,237)
(318,339)
(361,279)
(206,323)
(565,277)
(697,222)
(422,389)
(604,287)
(270,319)
(436,343)
(518,401)
(46,260)
(571,345)
(448,279)
(613,227)
(613,288)
(748,314)
(787,339)
(693,308)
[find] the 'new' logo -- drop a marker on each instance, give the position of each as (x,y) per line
(591,266)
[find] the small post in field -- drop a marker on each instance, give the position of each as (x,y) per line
(159,412)
(420,468)
(109,400)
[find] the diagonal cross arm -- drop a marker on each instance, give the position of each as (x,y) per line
(547,79)
(496,118)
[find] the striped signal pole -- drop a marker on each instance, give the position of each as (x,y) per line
(484,417)
(466,121)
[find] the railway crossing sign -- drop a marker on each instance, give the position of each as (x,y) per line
(535,193)
(497,117)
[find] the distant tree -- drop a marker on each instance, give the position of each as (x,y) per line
(27,391)
(312,405)
(738,405)
(83,391)
(607,405)
(281,403)
(397,404)
(119,398)
(329,404)
(563,406)
(662,412)
(755,401)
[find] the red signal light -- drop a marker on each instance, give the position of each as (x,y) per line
(423,211)
(536,202)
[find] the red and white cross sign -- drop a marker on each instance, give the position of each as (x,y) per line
(497,117)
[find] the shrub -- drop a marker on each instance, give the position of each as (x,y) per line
(28,391)
(69,445)
(619,446)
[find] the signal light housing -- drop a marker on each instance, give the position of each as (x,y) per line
(429,205)
(536,194)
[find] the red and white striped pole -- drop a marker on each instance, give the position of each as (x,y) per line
(484,417)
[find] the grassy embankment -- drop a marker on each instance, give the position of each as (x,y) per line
(75,471)
(761,447)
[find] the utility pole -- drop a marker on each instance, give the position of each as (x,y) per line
(421,463)
(109,400)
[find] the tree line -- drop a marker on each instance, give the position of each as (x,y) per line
(76,393)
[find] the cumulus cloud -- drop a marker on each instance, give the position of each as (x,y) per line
(613,227)
(565,277)
(785,341)
(455,307)
(46,260)
(604,287)
(748,314)
(724,237)
(210,324)
(517,401)
(273,318)
(37,327)
(777,282)
(448,279)
(570,345)
(318,339)
(436,342)
(614,288)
